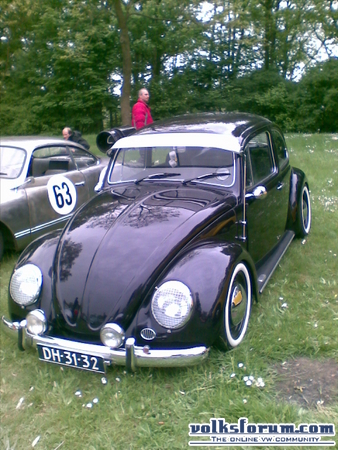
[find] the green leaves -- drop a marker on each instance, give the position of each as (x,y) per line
(61,71)
(61,61)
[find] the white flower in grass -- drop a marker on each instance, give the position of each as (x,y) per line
(36,440)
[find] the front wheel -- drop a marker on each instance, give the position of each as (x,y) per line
(304,213)
(237,308)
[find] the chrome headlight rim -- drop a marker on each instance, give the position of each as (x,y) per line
(116,333)
(31,275)
(181,287)
(34,319)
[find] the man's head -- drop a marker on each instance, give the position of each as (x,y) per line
(143,95)
(66,132)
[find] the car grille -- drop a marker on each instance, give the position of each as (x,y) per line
(148,334)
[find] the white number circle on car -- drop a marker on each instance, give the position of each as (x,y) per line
(62,194)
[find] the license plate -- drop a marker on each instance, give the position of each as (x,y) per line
(71,359)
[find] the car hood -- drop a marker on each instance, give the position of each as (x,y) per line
(113,250)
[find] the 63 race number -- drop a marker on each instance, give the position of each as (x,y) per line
(61,194)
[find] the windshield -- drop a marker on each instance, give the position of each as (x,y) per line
(174,163)
(11,161)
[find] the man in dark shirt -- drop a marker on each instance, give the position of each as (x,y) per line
(75,136)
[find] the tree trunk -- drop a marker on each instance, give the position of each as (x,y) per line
(126,63)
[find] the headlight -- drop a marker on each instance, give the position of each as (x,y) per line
(36,322)
(171,304)
(25,285)
(112,335)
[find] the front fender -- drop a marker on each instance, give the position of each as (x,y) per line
(40,252)
(297,181)
(206,270)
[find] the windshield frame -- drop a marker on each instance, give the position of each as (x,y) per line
(188,172)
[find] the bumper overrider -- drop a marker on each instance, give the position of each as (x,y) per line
(71,353)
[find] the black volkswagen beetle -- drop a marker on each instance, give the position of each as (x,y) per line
(193,216)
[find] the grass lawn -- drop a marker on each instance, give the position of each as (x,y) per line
(292,344)
(91,139)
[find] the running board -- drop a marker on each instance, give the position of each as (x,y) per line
(267,268)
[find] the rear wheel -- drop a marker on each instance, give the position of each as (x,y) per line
(237,308)
(304,213)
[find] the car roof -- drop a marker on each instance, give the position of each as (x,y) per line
(31,142)
(223,130)
(212,122)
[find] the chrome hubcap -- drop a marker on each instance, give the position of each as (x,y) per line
(305,211)
(239,301)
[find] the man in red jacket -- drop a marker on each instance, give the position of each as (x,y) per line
(140,114)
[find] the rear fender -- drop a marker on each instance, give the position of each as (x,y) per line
(297,181)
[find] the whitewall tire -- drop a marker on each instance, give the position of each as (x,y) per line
(237,308)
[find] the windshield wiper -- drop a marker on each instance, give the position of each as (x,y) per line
(3,173)
(154,176)
(221,173)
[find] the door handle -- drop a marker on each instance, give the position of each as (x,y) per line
(280,186)
(258,192)
(80,183)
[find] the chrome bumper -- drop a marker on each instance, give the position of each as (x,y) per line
(131,356)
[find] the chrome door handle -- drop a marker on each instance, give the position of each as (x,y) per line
(280,186)
(80,183)
(258,192)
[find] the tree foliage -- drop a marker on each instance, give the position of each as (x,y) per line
(61,71)
(317,99)
(62,61)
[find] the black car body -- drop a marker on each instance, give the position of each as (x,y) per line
(193,217)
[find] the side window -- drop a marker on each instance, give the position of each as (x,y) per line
(259,158)
(49,160)
(280,148)
(160,156)
(82,158)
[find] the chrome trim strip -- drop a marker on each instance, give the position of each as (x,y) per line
(42,226)
(244,222)
(133,356)
(22,233)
